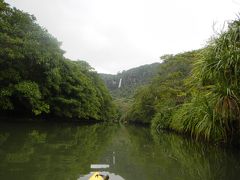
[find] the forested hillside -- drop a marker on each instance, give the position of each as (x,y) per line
(196,92)
(130,80)
(166,91)
(36,79)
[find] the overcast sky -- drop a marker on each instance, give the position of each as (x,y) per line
(115,35)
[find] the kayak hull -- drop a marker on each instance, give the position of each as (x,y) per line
(96,176)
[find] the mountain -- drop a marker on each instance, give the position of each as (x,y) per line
(124,84)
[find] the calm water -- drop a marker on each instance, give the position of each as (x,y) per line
(68,151)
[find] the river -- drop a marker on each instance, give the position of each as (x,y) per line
(41,150)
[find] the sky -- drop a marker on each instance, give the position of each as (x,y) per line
(116,35)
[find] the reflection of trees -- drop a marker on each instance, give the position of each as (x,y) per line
(3,138)
(54,153)
(141,154)
(197,160)
(66,151)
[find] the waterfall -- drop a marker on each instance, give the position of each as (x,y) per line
(120,83)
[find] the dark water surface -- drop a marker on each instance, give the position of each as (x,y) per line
(67,151)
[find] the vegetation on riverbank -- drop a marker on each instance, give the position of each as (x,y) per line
(123,85)
(166,91)
(36,79)
(196,92)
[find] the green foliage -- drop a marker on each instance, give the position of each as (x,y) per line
(165,93)
(122,106)
(5,102)
(28,94)
(161,120)
(199,119)
(132,80)
(205,104)
(35,77)
(215,115)
(142,109)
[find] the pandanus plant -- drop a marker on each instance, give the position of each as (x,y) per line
(219,72)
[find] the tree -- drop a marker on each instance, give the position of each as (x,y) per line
(35,77)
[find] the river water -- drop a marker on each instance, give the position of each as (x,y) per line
(72,151)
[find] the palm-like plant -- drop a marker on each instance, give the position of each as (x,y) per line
(214,111)
(218,74)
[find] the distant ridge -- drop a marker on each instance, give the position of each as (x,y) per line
(130,80)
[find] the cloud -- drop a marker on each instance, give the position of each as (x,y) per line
(113,35)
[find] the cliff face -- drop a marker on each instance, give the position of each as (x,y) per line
(125,83)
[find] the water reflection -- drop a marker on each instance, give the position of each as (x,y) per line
(67,151)
(51,151)
(198,160)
